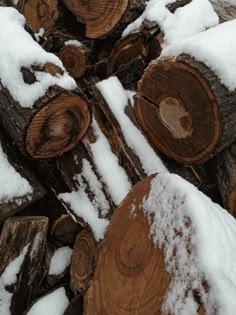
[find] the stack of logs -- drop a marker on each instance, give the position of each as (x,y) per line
(86,36)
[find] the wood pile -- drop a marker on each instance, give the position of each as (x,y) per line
(97,107)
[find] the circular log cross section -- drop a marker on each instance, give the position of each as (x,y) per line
(178,111)
(125,50)
(82,263)
(130,276)
(100,16)
(57,127)
(74,60)
(39,13)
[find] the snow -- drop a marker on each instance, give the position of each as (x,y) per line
(9,277)
(60,260)
(54,303)
(218,55)
(73,42)
(191,19)
(202,236)
(117,99)
(39,34)
(83,208)
(100,202)
(107,164)
(12,184)
(13,38)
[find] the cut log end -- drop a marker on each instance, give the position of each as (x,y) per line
(39,13)
(74,59)
(82,261)
(178,111)
(99,17)
(57,127)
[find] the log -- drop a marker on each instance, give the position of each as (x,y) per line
(105,17)
(226,175)
(65,230)
(42,116)
(19,186)
(184,109)
(23,235)
(226,10)
(46,17)
(130,276)
(83,261)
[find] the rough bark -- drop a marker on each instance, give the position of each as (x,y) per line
(172,123)
(105,17)
(17,204)
(17,233)
(83,261)
(226,175)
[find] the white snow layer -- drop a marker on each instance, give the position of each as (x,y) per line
(73,42)
(17,50)
(112,174)
(215,47)
(54,303)
(12,184)
(198,237)
(117,99)
(9,277)
(60,260)
(188,20)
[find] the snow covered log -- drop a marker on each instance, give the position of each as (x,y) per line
(37,106)
(19,186)
(83,261)
(186,98)
(166,244)
(130,274)
(226,174)
(22,245)
(105,17)
(75,57)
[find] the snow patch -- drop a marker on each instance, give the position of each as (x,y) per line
(60,261)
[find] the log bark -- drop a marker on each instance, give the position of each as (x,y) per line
(226,10)
(16,204)
(17,234)
(172,123)
(53,126)
(130,276)
(105,17)
(226,175)
(83,261)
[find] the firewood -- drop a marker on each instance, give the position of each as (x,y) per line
(226,10)
(105,17)
(42,116)
(65,230)
(83,261)
(27,187)
(130,275)
(226,175)
(190,128)
(46,17)
(26,236)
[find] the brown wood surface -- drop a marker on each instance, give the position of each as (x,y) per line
(17,233)
(130,277)
(83,261)
(103,16)
(185,114)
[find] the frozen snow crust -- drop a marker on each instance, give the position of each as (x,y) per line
(198,237)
